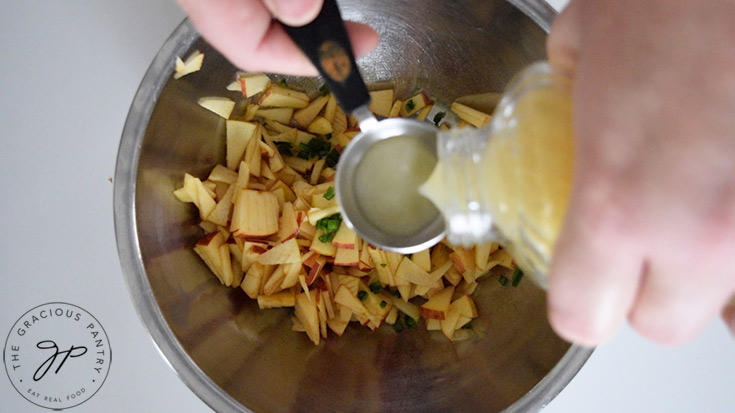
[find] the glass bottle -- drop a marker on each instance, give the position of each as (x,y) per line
(510,182)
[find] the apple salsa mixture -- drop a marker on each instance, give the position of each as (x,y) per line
(273,226)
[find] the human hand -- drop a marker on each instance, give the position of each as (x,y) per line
(650,228)
(246,34)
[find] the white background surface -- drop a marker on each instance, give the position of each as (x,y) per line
(69,72)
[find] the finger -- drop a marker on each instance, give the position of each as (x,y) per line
(294,12)
(244,32)
(562,45)
(593,277)
(674,304)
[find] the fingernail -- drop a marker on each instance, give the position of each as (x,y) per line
(294,12)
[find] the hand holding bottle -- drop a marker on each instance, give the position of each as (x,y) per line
(650,230)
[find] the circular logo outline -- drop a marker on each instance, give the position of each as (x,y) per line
(108,356)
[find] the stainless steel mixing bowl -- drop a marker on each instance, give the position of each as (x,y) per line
(236,357)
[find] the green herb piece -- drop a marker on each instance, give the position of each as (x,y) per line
(332,158)
(382,264)
(329,194)
(362,295)
(438,117)
(324,90)
(282,82)
(503,280)
(383,304)
(467,326)
(517,277)
(315,147)
(395,293)
(410,322)
(398,326)
(284,147)
(410,106)
(329,226)
(376,287)
(328,136)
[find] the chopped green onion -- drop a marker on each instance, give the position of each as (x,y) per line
(382,264)
(282,82)
(410,106)
(398,326)
(503,280)
(328,136)
(362,295)
(284,147)
(410,322)
(329,194)
(517,277)
(395,293)
(329,226)
(332,158)
(376,287)
(438,117)
(315,147)
(324,90)
(383,304)
(326,238)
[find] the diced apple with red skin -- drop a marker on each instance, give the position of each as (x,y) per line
(220,215)
(345,237)
(255,214)
(347,257)
(414,104)
(464,261)
(316,265)
(253,83)
(305,116)
(381,102)
(288,226)
(282,115)
(438,304)
(207,248)
(323,248)
(366,261)
(282,299)
(250,253)
(281,97)
(284,253)
(306,311)
(199,195)
(219,105)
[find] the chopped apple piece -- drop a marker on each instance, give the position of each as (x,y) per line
(219,105)
(282,115)
(438,305)
(255,214)
(392,316)
(347,257)
(381,101)
(330,109)
(409,272)
(472,116)
(449,323)
(339,123)
(285,253)
(306,116)
(408,308)
(208,250)
(239,135)
(307,313)
(395,110)
(346,298)
(466,306)
(433,324)
(414,104)
(221,174)
(192,64)
(199,195)
(221,213)
(345,238)
(253,83)
(282,299)
(320,126)
(422,259)
(323,248)
(423,113)
(280,97)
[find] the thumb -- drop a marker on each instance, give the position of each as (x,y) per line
(294,12)
(562,45)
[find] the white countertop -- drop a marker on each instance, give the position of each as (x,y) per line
(69,72)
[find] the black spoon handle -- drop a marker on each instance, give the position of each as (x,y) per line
(325,43)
